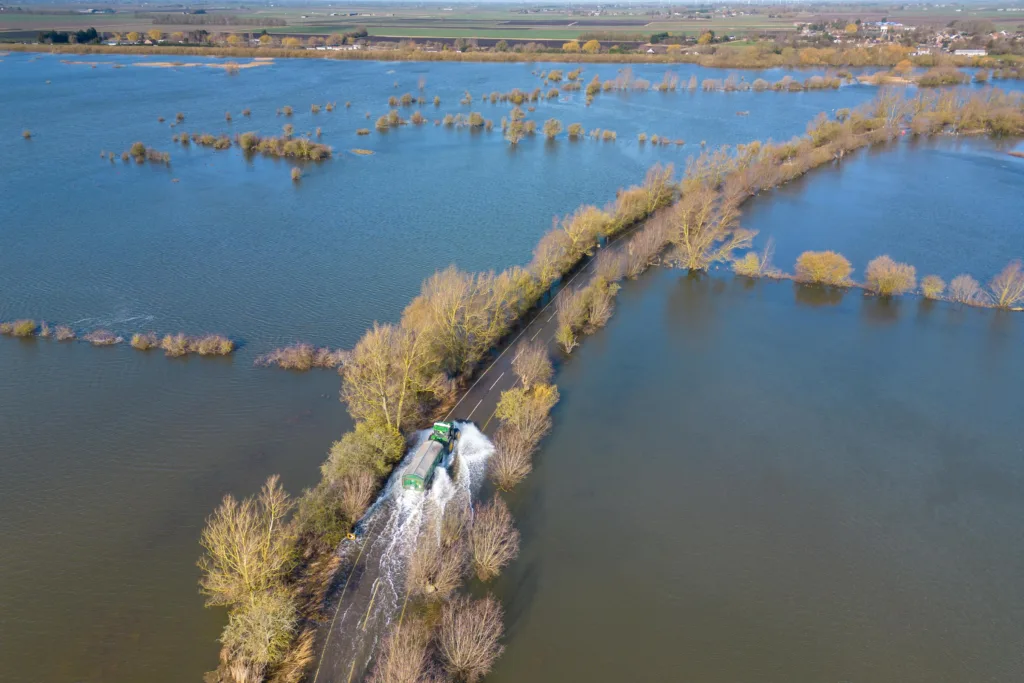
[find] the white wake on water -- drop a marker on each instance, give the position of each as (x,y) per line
(403,512)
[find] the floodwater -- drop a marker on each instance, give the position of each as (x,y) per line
(113,458)
(758,481)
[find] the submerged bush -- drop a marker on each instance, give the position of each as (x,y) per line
(964,289)
(302,357)
(823,268)
(145,342)
(552,127)
(511,461)
(404,656)
(886,277)
(175,345)
(63,333)
(102,338)
(23,328)
(468,637)
(932,286)
(494,540)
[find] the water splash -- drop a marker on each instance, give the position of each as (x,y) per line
(396,520)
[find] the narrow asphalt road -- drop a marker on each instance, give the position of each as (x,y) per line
(365,601)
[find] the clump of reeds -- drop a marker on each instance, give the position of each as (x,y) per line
(246,112)
(302,357)
(363,131)
(296,174)
(27,134)
(63,333)
(315,108)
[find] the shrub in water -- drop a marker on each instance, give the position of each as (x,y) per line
(102,338)
(823,268)
(965,289)
(932,286)
(887,277)
(23,328)
(145,341)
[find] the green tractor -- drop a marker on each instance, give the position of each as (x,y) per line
(429,455)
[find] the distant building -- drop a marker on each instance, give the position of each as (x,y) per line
(970,53)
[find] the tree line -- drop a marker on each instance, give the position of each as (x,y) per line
(396,378)
(759,56)
(400,375)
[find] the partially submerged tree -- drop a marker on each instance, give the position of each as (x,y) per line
(511,461)
(886,277)
(494,540)
(964,289)
(528,410)
(932,286)
(441,558)
(1007,288)
(552,127)
(388,370)
(468,637)
(703,229)
(532,364)
(373,446)
(247,546)
(404,656)
(259,633)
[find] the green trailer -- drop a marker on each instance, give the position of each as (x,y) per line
(429,455)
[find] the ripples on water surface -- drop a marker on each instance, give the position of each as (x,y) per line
(112,458)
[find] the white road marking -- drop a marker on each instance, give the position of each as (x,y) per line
(498,380)
(474,409)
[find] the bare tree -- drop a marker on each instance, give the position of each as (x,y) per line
(247,546)
(887,277)
(387,370)
(659,186)
(468,637)
(404,657)
(703,230)
(440,558)
(356,493)
(965,289)
(610,265)
(494,540)
(1007,288)
(511,461)
(645,248)
(532,364)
